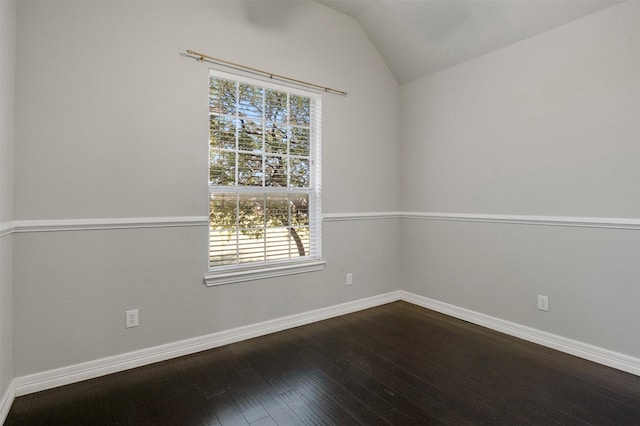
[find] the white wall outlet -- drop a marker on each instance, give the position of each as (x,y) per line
(131,318)
(349,279)
(543,303)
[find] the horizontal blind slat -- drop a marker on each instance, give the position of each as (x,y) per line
(264,173)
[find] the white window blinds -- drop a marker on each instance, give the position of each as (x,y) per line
(264,174)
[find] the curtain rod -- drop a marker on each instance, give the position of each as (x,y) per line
(201,57)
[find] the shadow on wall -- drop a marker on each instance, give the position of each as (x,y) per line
(273,15)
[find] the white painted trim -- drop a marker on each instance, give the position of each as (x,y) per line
(341,217)
(570,221)
(6,228)
(562,344)
(88,370)
(585,222)
(20,226)
(92,369)
(249,274)
(6,402)
(38,225)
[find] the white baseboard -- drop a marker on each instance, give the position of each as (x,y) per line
(6,401)
(92,369)
(562,344)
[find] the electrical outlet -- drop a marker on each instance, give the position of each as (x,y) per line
(131,318)
(543,303)
(349,279)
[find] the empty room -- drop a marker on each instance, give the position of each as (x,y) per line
(265,212)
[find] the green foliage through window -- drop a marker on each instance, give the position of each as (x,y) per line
(260,173)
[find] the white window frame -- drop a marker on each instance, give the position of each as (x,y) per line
(228,274)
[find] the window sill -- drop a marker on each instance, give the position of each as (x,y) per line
(258,273)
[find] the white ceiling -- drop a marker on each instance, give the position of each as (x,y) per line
(420,37)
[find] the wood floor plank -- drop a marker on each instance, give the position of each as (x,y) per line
(473,372)
(396,364)
(398,383)
(278,410)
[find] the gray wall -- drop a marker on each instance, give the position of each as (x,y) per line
(550,127)
(7,75)
(112,123)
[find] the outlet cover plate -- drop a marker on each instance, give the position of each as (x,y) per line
(543,303)
(131,318)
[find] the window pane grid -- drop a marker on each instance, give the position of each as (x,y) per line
(217,189)
(270,242)
(264,179)
(251,167)
(271,154)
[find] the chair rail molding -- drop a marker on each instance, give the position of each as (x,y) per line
(566,221)
(51,225)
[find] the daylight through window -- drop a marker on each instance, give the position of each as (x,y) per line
(264,173)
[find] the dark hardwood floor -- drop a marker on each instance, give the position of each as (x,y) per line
(395,364)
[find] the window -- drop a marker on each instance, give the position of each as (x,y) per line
(264,180)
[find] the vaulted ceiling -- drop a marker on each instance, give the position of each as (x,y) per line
(421,37)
